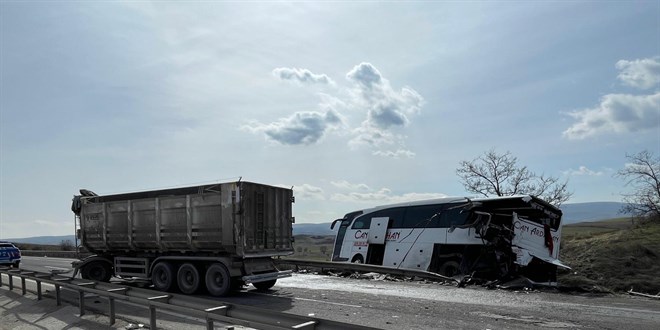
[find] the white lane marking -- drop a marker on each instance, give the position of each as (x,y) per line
(306,299)
(60,268)
(329,302)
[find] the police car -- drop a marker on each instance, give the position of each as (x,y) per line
(9,254)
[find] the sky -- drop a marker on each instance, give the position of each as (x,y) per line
(353,104)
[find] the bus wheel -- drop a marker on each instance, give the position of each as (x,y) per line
(188,278)
(96,271)
(450,268)
(162,276)
(263,286)
(358,259)
(218,281)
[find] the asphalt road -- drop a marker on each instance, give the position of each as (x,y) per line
(418,305)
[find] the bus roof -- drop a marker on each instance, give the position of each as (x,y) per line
(458,199)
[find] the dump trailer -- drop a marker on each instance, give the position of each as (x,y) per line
(218,236)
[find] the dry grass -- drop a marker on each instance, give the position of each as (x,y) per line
(616,255)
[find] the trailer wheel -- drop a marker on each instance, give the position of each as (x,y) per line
(263,286)
(218,281)
(162,276)
(188,278)
(96,271)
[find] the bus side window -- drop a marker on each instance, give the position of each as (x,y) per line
(395,215)
(454,217)
(422,216)
(362,222)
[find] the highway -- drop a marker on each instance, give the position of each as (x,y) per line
(420,305)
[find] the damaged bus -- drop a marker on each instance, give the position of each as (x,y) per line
(487,238)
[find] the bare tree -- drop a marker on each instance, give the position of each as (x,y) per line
(494,174)
(66,245)
(642,174)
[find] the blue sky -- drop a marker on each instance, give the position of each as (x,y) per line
(352,104)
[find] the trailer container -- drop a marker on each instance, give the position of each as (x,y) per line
(219,236)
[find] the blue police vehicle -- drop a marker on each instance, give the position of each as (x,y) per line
(9,254)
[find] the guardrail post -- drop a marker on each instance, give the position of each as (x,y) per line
(58,299)
(152,309)
(38,290)
(111,302)
(11,282)
(81,295)
(209,320)
(81,299)
(152,317)
(23,285)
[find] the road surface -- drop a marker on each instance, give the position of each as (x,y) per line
(419,305)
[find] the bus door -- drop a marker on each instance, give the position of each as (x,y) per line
(376,240)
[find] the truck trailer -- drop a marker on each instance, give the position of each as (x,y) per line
(218,236)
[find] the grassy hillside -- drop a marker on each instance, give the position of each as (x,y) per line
(313,247)
(614,255)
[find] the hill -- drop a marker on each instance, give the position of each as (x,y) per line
(321,229)
(594,211)
(42,240)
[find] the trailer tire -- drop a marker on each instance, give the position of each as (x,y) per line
(188,278)
(162,276)
(265,285)
(218,281)
(96,271)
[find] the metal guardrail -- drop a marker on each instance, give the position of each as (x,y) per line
(355,267)
(209,310)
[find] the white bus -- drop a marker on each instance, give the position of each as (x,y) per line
(484,237)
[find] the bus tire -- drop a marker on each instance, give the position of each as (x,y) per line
(263,286)
(357,259)
(450,268)
(162,276)
(188,278)
(218,281)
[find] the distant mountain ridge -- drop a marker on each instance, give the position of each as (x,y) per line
(573,213)
(593,211)
(42,240)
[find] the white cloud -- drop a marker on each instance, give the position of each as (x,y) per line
(370,94)
(583,170)
(383,196)
(362,193)
(385,107)
(400,153)
(47,223)
(309,192)
(302,76)
(640,73)
(343,184)
(618,113)
(305,127)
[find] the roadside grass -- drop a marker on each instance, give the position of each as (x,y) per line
(614,255)
(313,247)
